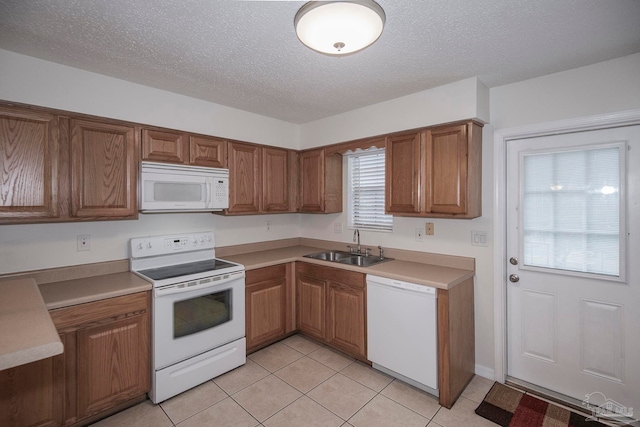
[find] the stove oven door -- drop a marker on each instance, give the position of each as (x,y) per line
(193,317)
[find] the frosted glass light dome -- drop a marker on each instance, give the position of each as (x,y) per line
(339,27)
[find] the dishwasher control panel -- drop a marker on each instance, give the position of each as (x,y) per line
(400,284)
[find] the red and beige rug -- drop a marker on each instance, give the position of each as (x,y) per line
(509,407)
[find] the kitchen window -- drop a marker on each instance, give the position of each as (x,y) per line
(366,191)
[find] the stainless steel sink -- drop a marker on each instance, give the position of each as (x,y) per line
(334,256)
(348,258)
(363,261)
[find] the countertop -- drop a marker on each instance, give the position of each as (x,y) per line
(77,291)
(415,272)
(27,333)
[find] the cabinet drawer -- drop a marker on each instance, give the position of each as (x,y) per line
(264,274)
(332,274)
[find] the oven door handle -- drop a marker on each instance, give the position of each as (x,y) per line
(177,289)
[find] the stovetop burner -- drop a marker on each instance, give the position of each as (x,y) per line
(179,270)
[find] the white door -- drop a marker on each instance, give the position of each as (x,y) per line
(573,243)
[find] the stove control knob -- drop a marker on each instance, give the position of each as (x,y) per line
(140,246)
(208,238)
(194,241)
(149,246)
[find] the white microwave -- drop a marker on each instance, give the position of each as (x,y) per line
(176,188)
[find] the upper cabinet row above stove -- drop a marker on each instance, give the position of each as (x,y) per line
(61,166)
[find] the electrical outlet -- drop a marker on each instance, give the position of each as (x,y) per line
(84,242)
(419,235)
(337,228)
(268,225)
(429,228)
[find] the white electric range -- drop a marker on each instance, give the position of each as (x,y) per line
(198,313)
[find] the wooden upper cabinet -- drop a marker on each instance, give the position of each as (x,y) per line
(320,182)
(104,170)
(402,171)
(436,172)
(275,180)
(164,146)
(159,145)
(29,163)
(207,151)
(447,172)
(244,178)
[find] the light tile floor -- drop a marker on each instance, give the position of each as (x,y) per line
(299,383)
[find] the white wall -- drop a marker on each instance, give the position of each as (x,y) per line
(457,101)
(597,89)
(37,82)
(34,81)
(602,88)
(465,99)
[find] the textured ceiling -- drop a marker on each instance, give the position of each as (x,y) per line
(245,54)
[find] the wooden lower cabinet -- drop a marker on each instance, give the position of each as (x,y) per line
(105,366)
(346,318)
(33,394)
(268,305)
(331,306)
(113,363)
(456,341)
(310,300)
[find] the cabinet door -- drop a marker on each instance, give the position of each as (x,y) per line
(266,311)
(29,161)
(275,180)
(403,185)
(207,151)
(104,170)
(244,178)
(163,146)
(446,170)
(310,306)
(312,166)
(113,363)
(346,318)
(33,394)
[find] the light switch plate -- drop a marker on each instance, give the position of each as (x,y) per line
(479,238)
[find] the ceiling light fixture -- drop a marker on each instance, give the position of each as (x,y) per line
(339,27)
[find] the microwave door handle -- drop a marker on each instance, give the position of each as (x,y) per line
(209,195)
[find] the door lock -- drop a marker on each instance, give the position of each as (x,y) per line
(513,260)
(514,278)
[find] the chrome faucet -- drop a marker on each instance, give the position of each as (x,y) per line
(356,238)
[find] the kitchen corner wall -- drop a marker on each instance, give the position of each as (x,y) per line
(465,99)
(33,81)
(602,88)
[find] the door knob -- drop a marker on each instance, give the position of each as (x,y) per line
(513,261)
(514,278)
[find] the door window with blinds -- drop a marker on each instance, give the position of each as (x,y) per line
(572,211)
(366,191)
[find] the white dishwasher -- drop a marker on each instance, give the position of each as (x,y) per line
(402,331)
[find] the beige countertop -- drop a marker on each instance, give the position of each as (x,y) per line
(415,272)
(77,291)
(27,333)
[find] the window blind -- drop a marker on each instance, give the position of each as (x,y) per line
(366,191)
(571,210)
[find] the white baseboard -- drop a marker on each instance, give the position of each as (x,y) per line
(483,371)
